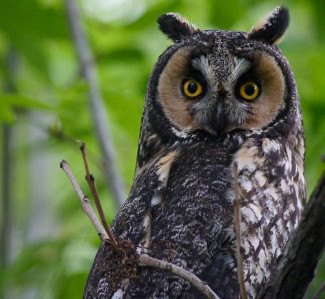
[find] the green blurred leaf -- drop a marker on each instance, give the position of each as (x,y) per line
(10,102)
(27,25)
(21,101)
(319,9)
(7,114)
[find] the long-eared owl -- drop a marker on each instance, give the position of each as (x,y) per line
(214,98)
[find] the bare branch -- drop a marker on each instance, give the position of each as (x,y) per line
(297,265)
(100,118)
(147,261)
(237,217)
(85,204)
(91,183)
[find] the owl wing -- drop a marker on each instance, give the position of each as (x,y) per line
(150,144)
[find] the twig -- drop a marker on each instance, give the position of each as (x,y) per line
(100,118)
(85,204)
(91,183)
(237,205)
(297,266)
(319,292)
(147,261)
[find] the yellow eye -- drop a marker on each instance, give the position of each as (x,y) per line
(249,90)
(192,88)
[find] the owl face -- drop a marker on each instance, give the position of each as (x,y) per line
(212,83)
(217,89)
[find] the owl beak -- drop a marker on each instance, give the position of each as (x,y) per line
(218,121)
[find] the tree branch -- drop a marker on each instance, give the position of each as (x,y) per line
(297,265)
(147,261)
(237,217)
(100,118)
(91,184)
(85,204)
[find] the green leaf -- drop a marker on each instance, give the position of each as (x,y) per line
(21,101)
(10,102)
(7,114)
(27,25)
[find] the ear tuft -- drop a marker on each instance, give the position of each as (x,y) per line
(271,28)
(175,27)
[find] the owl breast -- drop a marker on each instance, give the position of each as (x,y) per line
(272,194)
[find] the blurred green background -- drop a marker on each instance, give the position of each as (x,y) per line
(47,243)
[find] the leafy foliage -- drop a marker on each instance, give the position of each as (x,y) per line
(52,243)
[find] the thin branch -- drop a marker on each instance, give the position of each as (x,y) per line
(85,204)
(100,118)
(91,183)
(237,217)
(147,261)
(297,266)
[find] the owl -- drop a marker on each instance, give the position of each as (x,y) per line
(214,99)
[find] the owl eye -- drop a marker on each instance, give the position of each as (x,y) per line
(249,90)
(192,88)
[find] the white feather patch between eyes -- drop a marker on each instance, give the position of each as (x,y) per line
(242,65)
(202,64)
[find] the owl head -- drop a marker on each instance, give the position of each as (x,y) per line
(212,83)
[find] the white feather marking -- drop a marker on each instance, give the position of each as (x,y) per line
(271,192)
(260,276)
(246,184)
(144,243)
(255,242)
(245,158)
(165,164)
(249,214)
(241,66)
(269,145)
(260,178)
(257,211)
(261,257)
(246,247)
(203,65)
(180,134)
(118,294)
(280,227)
(156,200)
(252,267)
(243,227)
(284,186)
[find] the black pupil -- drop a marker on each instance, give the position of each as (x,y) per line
(249,89)
(192,87)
